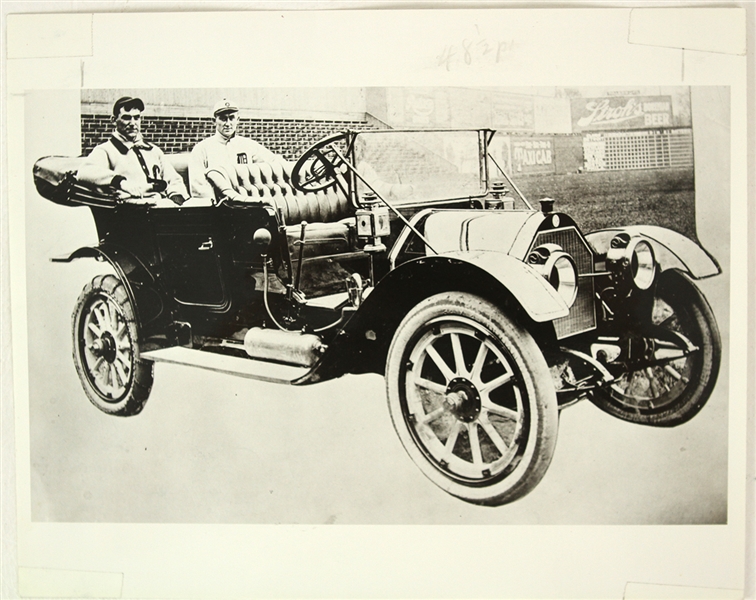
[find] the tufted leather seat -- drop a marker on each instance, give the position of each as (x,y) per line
(272,182)
(329,214)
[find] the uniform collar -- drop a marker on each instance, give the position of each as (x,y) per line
(123,144)
(219,138)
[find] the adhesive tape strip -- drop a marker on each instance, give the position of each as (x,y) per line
(720,30)
(49,35)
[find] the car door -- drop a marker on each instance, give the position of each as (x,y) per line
(190,245)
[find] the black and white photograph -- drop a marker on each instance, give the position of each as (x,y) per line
(476,270)
(380,318)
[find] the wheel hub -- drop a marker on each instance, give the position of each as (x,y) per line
(462,399)
(638,351)
(104,347)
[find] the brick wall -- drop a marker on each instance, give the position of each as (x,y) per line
(288,137)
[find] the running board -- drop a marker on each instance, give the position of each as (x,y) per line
(230,365)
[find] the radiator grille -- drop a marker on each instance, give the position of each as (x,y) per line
(582,315)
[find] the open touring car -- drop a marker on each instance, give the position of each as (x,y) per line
(414,255)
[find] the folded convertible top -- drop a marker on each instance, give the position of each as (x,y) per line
(55,180)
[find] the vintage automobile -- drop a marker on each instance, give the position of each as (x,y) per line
(411,254)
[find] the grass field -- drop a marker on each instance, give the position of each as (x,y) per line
(664,197)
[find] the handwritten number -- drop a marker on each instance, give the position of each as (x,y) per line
(466,45)
(486,47)
(472,50)
(444,59)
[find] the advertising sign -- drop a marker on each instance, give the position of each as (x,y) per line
(552,115)
(594,152)
(420,109)
(637,112)
(415,107)
(533,155)
(512,113)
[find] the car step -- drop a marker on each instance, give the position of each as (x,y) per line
(230,365)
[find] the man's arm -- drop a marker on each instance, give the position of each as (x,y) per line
(96,168)
(221,182)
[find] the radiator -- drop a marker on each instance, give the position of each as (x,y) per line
(582,315)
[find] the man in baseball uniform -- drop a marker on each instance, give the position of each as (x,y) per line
(133,168)
(221,153)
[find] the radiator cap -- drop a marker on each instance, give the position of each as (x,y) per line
(547,205)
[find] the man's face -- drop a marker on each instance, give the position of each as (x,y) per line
(128,123)
(226,123)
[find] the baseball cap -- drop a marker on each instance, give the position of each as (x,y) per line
(225,105)
(127,103)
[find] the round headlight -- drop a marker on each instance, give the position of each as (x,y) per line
(642,264)
(558,268)
(632,262)
(562,275)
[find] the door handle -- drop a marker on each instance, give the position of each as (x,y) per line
(206,245)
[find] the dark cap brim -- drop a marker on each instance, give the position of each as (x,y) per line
(127,103)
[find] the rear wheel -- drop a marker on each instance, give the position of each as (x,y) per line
(673,386)
(471,399)
(106,351)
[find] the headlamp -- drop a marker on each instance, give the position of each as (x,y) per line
(558,268)
(632,262)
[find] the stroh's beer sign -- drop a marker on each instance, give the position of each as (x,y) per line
(591,114)
(601,112)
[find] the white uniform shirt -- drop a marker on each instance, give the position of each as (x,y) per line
(218,153)
(117,157)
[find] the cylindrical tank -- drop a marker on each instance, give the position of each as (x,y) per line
(289,347)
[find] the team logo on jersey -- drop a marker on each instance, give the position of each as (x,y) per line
(241,158)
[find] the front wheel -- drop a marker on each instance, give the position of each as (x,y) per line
(472,399)
(106,351)
(674,388)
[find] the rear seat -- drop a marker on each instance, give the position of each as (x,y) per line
(180,162)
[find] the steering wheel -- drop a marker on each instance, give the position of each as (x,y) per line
(319,167)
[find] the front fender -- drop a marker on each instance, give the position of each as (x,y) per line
(536,296)
(145,293)
(361,345)
(673,250)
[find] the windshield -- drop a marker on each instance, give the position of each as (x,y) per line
(419,166)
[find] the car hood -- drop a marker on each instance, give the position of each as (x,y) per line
(509,231)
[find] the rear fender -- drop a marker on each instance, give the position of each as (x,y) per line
(508,282)
(145,293)
(673,250)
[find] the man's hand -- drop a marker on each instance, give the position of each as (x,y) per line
(134,188)
(234,196)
